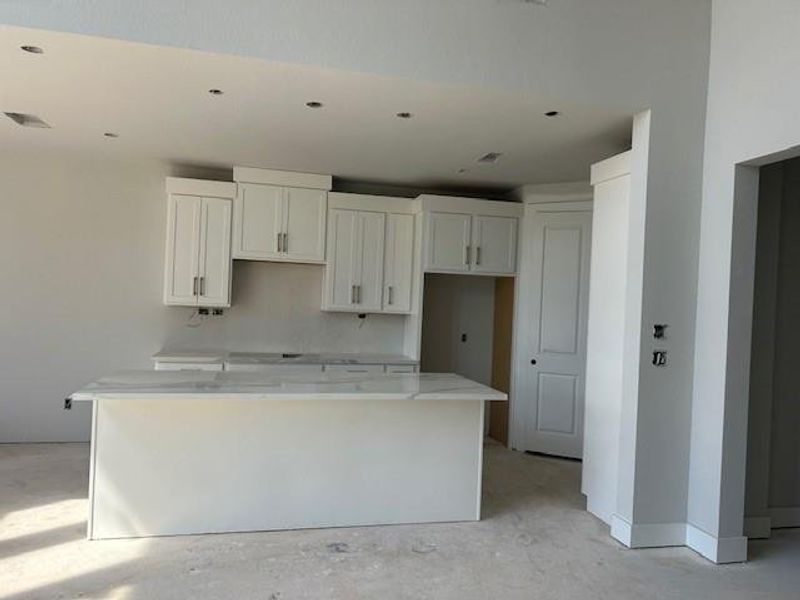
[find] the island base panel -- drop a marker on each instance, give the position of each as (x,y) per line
(166,467)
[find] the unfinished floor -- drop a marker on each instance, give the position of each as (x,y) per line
(535,541)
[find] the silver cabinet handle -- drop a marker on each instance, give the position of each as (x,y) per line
(202,286)
(279,241)
(194,286)
(391,294)
(477,255)
(285,242)
(466,256)
(353,294)
(358,294)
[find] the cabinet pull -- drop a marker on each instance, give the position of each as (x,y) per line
(466,256)
(353,294)
(278,241)
(358,294)
(285,242)
(202,286)
(391,294)
(194,286)
(477,255)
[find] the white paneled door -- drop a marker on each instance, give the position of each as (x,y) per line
(552,358)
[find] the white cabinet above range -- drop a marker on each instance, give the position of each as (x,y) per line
(466,235)
(279,215)
(370,267)
(198,255)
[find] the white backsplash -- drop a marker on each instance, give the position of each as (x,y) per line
(276,307)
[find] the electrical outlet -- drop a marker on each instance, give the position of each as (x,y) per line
(660,358)
(463,337)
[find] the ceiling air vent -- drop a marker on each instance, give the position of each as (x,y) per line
(490,157)
(27,120)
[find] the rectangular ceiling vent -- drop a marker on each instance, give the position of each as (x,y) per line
(27,120)
(490,157)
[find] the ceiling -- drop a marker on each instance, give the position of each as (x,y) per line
(156,99)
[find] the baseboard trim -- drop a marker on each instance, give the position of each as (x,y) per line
(758,528)
(647,535)
(784,516)
(719,550)
(662,535)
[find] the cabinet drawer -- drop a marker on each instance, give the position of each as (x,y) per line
(174,366)
(401,369)
(354,368)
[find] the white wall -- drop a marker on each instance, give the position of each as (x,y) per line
(456,304)
(82,241)
(752,112)
(636,54)
(605,356)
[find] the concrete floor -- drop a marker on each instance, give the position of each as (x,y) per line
(535,542)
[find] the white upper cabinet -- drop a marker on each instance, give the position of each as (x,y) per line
(448,242)
(198,254)
(279,216)
(183,250)
(370,266)
(304,224)
(467,235)
(398,263)
(494,244)
(354,281)
(258,222)
(214,285)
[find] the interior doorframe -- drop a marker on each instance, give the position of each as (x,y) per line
(522,296)
(732,493)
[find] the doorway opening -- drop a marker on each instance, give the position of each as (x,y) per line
(772,489)
(466,329)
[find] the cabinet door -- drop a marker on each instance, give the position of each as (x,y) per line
(258,221)
(370,283)
(215,253)
(448,242)
(343,259)
(304,225)
(183,250)
(398,263)
(494,244)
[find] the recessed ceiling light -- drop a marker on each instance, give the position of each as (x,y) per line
(215,92)
(490,157)
(552,113)
(404,115)
(111,134)
(314,104)
(27,120)
(32,49)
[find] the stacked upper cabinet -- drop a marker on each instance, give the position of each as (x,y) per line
(370,254)
(198,255)
(465,235)
(280,215)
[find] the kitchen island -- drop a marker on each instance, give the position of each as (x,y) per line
(185,452)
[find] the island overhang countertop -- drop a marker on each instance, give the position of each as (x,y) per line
(187,385)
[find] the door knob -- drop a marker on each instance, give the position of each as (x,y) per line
(533,361)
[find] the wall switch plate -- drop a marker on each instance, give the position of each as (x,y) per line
(660,358)
(67,403)
(659,331)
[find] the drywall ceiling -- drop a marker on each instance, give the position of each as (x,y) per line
(156,99)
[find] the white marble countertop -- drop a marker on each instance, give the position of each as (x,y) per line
(278,358)
(206,385)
